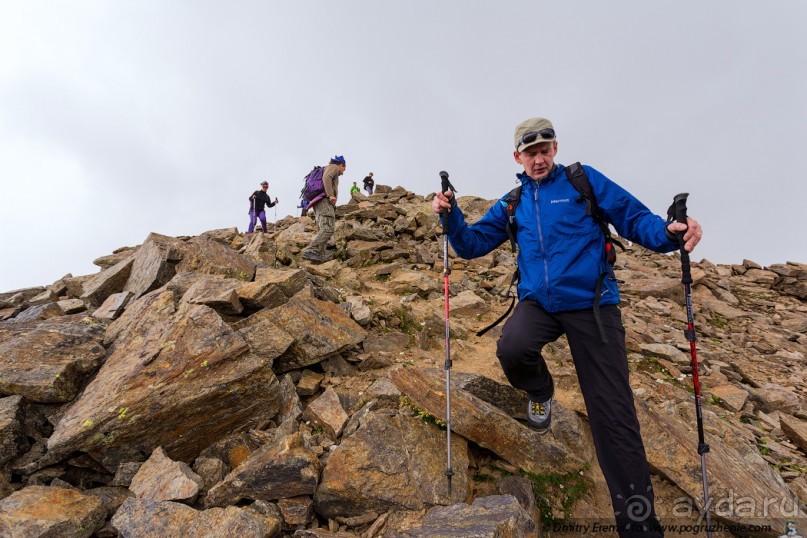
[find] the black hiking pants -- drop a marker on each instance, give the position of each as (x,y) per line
(602,370)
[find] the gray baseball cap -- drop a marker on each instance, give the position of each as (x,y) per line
(533,131)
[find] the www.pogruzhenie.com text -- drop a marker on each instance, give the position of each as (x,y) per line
(674,528)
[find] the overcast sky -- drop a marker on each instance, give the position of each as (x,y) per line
(121,118)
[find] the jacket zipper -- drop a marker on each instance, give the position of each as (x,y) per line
(541,239)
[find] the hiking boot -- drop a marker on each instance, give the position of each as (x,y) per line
(539,415)
(312,256)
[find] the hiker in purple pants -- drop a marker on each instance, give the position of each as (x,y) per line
(257,201)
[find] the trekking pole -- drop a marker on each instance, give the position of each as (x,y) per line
(678,212)
(447,365)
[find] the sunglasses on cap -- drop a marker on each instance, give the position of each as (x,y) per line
(532,136)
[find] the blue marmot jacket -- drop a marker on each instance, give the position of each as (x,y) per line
(561,249)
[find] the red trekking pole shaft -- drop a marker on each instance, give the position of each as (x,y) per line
(678,211)
(446,185)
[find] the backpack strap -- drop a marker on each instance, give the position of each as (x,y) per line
(577,176)
(579,179)
(512,200)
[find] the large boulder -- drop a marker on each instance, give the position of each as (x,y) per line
(335,331)
(49,361)
(284,468)
(176,376)
(393,461)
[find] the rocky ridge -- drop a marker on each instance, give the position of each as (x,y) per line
(220,385)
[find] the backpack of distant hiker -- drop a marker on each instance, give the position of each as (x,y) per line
(313,186)
(576,175)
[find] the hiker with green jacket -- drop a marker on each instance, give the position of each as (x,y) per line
(325,210)
(567,287)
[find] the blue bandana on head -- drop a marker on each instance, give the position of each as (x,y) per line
(340,159)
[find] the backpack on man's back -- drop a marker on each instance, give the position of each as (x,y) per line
(313,186)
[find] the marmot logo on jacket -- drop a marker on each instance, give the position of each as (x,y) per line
(562,200)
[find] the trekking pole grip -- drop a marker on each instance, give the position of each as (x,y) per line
(679,208)
(445,185)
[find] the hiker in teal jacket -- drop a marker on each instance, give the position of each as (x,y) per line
(562,259)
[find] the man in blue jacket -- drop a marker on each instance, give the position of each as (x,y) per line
(561,255)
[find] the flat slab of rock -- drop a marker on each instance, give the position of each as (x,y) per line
(107,282)
(272,287)
(48,361)
(335,333)
(468,303)
(671,447)
(176,376)
(113,306)
(666,351)
(71,306)
(217,293)
(637,284)
(795,429)
(731,397)
(150,519)
(487,517)
(488,426)
(50,511)
(17,297)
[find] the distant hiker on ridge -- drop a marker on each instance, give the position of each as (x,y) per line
(354,188)
(567,286)
(369,183)
(325,209)
(257,201)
